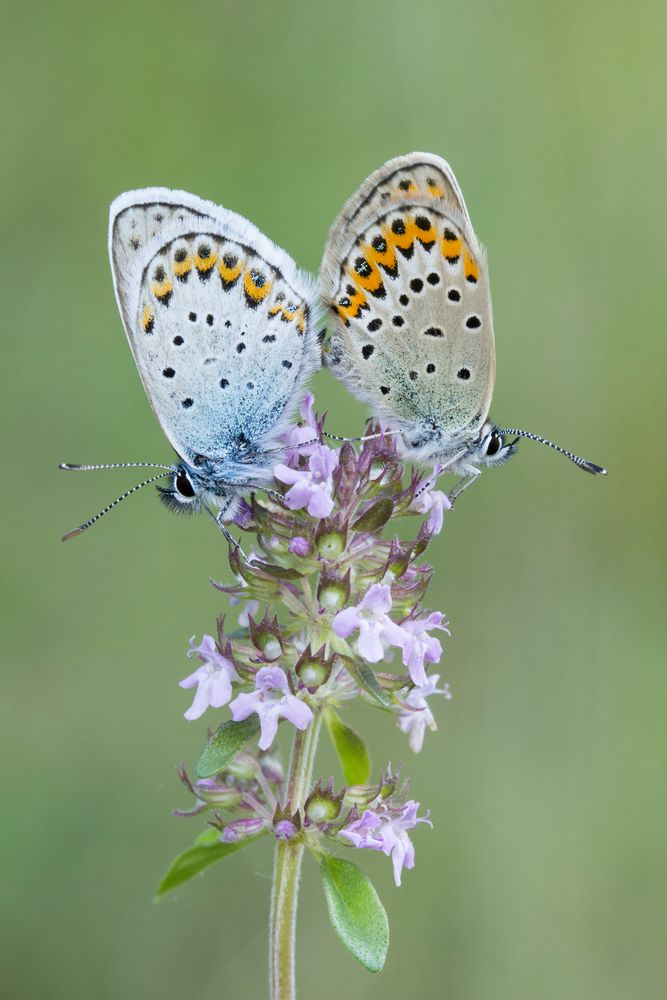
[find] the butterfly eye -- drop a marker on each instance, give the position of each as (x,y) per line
(183,485)
(494,445)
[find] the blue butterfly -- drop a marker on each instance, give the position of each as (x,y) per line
(223,329)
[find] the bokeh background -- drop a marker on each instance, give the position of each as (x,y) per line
(544,874)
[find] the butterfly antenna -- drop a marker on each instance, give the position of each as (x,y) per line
(69,467)
(581,462)
(114,503)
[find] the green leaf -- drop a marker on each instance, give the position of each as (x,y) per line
(375,517)
(365,677)
(195,859)
(356,913)
(351,749)
(224,745)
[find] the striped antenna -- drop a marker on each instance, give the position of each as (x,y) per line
(69,467)
(581,462)
(114,503)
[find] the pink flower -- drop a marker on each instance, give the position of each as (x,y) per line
(312,487)
(418,646)
(374,624)
(432,502)
(300,546)
(301,440)
(213,679)
(383,831)
(416,716)
(271,700)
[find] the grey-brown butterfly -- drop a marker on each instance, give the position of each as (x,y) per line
(407,283)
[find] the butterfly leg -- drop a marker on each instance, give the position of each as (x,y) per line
(463,485)
(232,541)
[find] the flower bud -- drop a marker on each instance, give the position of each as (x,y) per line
(322,806)
(333,591)
(216,793)
(239,829)
(266,637)
(313,669)
(331,542)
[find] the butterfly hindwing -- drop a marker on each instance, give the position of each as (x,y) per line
(219,319)
(406,282)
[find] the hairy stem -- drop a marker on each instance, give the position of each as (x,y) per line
(287,870)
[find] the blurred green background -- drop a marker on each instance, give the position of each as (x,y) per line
(544,874)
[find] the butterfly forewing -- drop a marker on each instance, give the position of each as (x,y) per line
(219,319)
(407,284)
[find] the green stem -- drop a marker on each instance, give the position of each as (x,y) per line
(287,869)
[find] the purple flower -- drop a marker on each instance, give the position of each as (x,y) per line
(418,646)
(416,716)
(373,622)
(213,679)
(249,608)
(285,829)
(301,440)
(271,700)
(432,502)
(382,831)
(300,546)
(312,487)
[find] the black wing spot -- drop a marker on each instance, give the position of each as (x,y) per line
(384,390)
(209,319)
(192,317)
(404,185)
(168,372)
(204,251)
(287,364)
(421,222)
(180,255)
(374,325)
(269,338)
(473,322)
(430,369)
(187,403)
(178,340)
(250,385)
(240,347)
(228,323)
(159,274)
(403,299)
(433,278)
(367,350)
(224,383)
(433,331)
(463,374)
(398,227)
(398,321)
(454,295)
(416,284)
(413,376)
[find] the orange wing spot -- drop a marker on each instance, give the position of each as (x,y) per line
(350,304)
(182,267)
(382,252)
(435,190)
(162,290)
(423,232)
(401,234)
(204,264)
(230,269)
(148,319)
(255,285)
(275,309)
(301,320)
(451,246)
(365,274)
(470,268)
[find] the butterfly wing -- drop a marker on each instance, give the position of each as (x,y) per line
(220,321)
(407,284)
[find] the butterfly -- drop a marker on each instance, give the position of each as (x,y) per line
(407,283)
(223,329)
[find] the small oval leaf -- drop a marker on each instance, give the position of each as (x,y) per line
(195,859)
(356,913)
(351,749)
(375,517)
(224,745)
(365,677)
